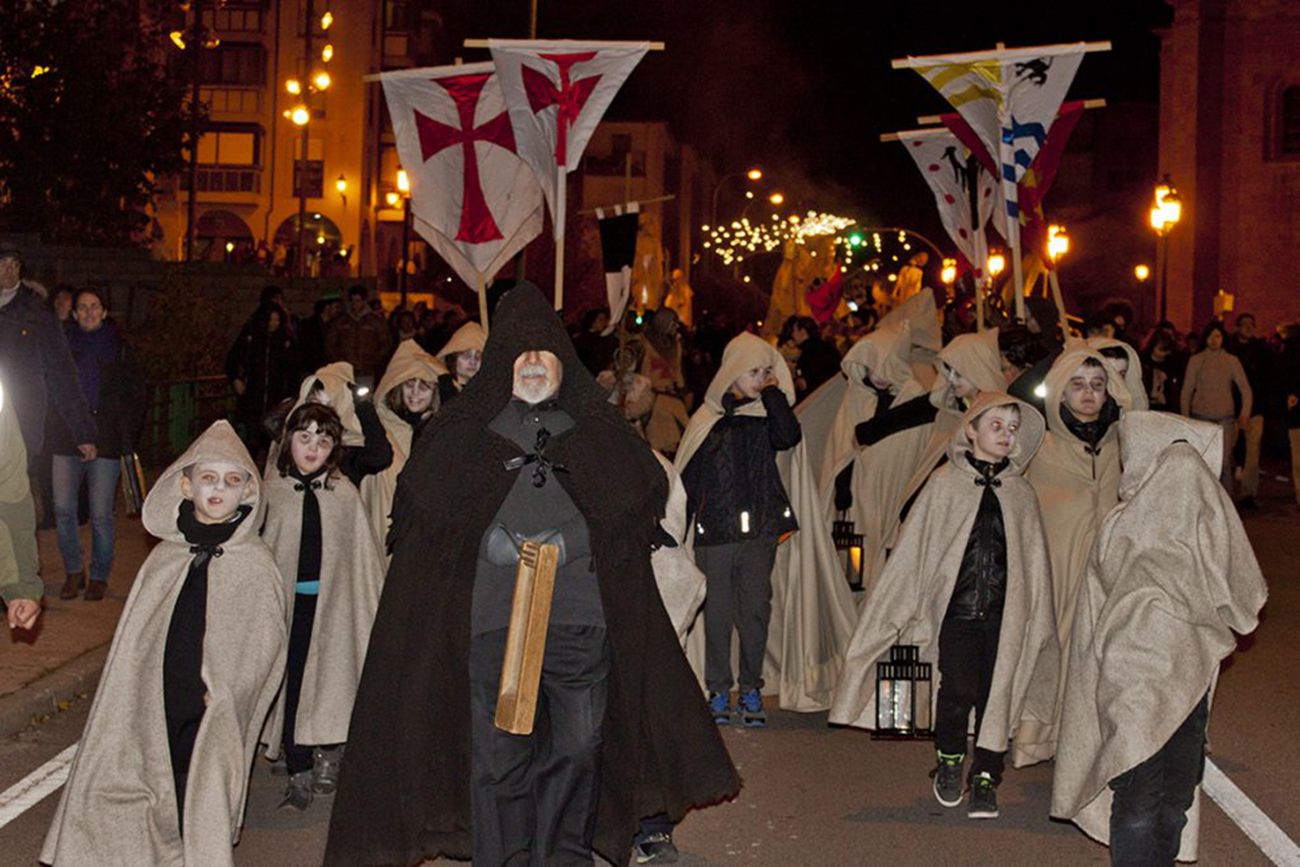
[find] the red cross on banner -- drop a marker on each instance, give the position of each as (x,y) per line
(476,223)
(570,96)
(472,198)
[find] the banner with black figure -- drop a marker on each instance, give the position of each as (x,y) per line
(618,229)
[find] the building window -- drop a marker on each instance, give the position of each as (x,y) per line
(230,146)
(241,64)
(1287,140)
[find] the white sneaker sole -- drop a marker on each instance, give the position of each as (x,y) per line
(982,814)
(935,788)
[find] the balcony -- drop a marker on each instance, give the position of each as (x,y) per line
(232,100)
(225,179)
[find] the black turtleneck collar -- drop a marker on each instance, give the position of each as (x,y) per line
(1092,432)
(208,536)
(987,470)
(414,419)
(731,403)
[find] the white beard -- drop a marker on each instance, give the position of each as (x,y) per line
(534,389)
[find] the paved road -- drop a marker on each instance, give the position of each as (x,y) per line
(821,796)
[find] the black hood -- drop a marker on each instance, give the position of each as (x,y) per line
(525,321)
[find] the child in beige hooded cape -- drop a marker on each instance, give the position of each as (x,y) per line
(408,362)
(19,557)
(911,600)
(1077,484)
(119,806)
(812,610)
(912,455)
(1155,619)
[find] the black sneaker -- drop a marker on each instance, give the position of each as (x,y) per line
(657,848)
(325,770)
(947,779)
(983,798)
(298,794)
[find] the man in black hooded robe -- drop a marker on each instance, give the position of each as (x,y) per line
(621,732)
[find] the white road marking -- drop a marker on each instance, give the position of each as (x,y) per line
(1265,833)
(36,786)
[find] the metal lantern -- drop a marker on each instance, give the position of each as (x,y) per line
(848,547)
(904,687)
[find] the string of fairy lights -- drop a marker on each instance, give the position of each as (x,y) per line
(854,247)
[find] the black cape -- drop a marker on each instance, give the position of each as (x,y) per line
(404,793)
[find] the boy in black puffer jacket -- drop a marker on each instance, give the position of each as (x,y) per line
(740,511)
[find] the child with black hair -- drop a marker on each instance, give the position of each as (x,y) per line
(320,534)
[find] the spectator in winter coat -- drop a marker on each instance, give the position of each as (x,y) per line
(114,389)
(1207,392)
(37,365)
(263,368)
(1257,361)
(818,360)
(360,337)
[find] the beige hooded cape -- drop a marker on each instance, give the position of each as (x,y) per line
(912,596)
(352,577)
(18,566)
(1155,616)
(469,336)
(812,607)
(1075,490)
(1137,389)
(408,362)
(908,458)
(337,378)
(922,316)
(681,583)
(119,805)
(876,477)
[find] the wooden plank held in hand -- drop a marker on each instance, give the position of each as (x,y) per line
(521,670)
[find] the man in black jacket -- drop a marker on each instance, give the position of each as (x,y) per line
(38,367)
(818,360)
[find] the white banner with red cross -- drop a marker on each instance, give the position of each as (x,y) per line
(556,92)
(472,197)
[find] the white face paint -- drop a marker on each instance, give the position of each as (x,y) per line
(962,387)
(994,434)
(467,364)
(750,384)
(1085,393)
(217,488)
(310,448)
(417,395)
(538,374)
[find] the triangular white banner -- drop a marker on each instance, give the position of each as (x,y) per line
(556,92)
(942,159)
(472,197)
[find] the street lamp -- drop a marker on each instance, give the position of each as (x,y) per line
(755,174)
(404,191)
(1141,272)
(1166,211)
(341,184)
(776,198)
(996,265)
(1058,243)
(309,81)
(948,274)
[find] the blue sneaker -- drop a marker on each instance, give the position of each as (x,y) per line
(751,709)
(720,707)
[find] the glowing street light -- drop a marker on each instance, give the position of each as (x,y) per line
(299,115)
(776,198)
(1166,211)
(393,199)
(949,272)
(1141,272)
(403,182)
(755,174)
(326,20)
(1058,243)
(293,86)
(341,184)
(327,53)
(322,80)
(997,264)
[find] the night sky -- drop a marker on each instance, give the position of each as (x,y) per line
(805,89)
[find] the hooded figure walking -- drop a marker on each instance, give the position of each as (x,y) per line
(530,449)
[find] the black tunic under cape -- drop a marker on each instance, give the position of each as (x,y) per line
(405,787)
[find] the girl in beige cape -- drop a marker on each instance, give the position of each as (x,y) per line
(335,386)
(409,362)
(119,806)
(1077,482)
(1155,620)
(911,599)
(322,541)
(812,613)
(460,358)
(969,365)
(875,365)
